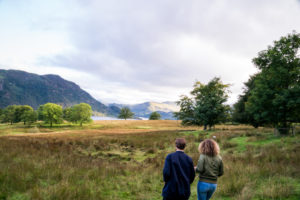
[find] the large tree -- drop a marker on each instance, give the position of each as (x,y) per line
(52,113)
(206,107)
(125,113)
(80,113)
(27,114)
(275,98)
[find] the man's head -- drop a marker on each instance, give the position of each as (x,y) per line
(180,143)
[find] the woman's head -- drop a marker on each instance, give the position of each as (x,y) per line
(209,147)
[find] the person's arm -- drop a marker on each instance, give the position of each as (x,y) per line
(221,169)
(167,170)
(200,165)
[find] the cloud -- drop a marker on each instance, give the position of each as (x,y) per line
(139,50)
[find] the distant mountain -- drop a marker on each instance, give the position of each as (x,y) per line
(165,109)
(22,88)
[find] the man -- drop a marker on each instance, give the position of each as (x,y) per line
(178,173)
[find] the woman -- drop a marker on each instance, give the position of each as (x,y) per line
(209,167)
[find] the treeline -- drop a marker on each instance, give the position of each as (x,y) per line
(125,113)
(271,97)
(49,113)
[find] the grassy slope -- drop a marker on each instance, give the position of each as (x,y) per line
(124,160)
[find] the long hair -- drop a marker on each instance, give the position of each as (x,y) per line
(209,147)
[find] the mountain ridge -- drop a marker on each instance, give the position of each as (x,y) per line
(165,109)
(23,88)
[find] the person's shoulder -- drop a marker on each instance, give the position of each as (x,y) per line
(202,156)
(219,157)
(170,155)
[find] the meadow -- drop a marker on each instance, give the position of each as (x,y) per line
(115,160)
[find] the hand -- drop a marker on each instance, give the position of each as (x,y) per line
(195,167)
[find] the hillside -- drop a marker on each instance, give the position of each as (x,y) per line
(165,109)
(22,88)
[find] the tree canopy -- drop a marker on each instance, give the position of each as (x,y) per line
(239,110)
(206,107)
(79,113)
(154,116)
(67,114)
(275,96)
(9,114)
(52,113)
(49,113)
(125,113)
(28,115)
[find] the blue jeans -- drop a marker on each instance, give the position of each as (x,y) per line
(205,190)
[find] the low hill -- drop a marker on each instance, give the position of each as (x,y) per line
(165,109)
(23,88)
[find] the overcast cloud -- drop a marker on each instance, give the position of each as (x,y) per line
(131,51)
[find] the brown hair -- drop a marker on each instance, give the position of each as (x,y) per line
(209,147)
(180,143)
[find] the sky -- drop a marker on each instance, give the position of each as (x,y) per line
(133,51)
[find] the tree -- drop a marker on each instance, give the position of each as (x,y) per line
(274,100)
(40,113)
(239,110)
(52,113)
(29,116)
(9,114)
(154,116)
(80,113)
(206,107)
(1,114)
(25,114)
(187,111)
(67,114)
(125,113)
(18,113)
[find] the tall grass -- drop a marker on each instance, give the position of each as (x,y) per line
(127,164)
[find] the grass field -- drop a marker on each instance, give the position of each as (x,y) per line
(114,160)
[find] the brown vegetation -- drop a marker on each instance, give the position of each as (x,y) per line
(124,160)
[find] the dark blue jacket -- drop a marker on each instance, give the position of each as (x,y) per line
(178,174)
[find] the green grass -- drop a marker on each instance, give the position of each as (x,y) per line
(243,142)
(142,127)
(258,165)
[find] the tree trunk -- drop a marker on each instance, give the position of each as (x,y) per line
(80,123)
(284,128)
(50,123)
(205,127)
